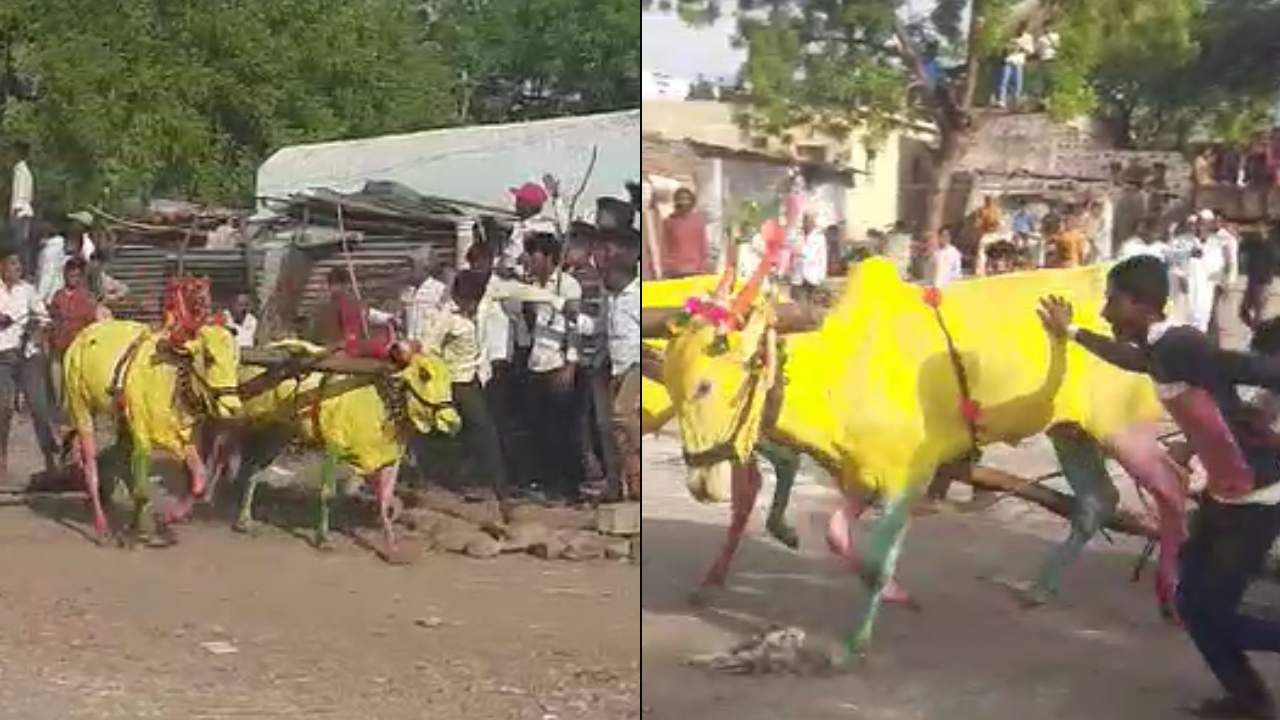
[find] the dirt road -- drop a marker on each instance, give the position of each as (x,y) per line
(101,633)
(1101,654)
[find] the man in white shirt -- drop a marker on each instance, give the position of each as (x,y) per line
(623,284)
(1145,242)
(23,367)
(1011,74)
(78,235)
(241,321)
(553,361)
(427,292)
(945,263)
(810,269)
(495,367)
(51,259)
(22,200)
(1220,241)
(1203,270)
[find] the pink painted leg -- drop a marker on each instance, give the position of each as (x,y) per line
(385,485)
(89,462)
(746,485)
(180,509)
(1139,452)
(840,541)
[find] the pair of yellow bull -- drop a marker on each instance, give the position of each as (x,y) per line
(160,392)
(875,397)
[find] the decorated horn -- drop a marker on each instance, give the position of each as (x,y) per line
(726,280)
(774,236)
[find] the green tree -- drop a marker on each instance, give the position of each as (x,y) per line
(187,97)
(1160,93)
(841,65)
(527,59)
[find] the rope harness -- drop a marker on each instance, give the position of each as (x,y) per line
(970,409)
(120,373)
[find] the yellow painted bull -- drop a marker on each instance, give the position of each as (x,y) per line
(897,382)
(157,390)
(363,421)
(657,411)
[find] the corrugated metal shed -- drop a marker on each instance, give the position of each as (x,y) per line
(382,267)
(475,164)
(146,268)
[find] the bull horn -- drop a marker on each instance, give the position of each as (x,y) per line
(774,236)
(726,280)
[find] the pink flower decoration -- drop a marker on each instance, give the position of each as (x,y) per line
(932,297)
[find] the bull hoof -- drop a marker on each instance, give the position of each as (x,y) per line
(845,659)
(247,527)
(1027,595)
(783,533)
(324,544)
(705,594)
(164,538)
(395,556)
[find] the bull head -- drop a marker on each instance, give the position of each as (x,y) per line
(215,362)
(719,368)
(430,390)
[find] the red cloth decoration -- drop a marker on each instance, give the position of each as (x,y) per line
(187,306)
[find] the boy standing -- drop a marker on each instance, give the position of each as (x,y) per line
(1238,519)
(553,361)
(72,309)
(453,330)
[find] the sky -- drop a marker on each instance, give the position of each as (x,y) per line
(672,47)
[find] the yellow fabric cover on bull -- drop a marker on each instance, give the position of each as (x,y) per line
(91,362)
(874,391)
(355,424)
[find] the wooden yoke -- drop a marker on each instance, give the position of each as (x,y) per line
(791,318)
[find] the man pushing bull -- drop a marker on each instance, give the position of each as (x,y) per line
(1238,519)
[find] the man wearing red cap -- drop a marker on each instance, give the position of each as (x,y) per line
(534,217)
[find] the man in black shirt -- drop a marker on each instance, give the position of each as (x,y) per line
(1238,518)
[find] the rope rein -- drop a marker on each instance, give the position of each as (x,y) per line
(970,410)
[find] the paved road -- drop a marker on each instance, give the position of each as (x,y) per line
(1102,653)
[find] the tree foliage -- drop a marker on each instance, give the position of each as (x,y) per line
(837,65)
(1224,85)
(537,58)
(186,97)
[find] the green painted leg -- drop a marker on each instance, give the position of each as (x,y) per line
(881,565)
(786,465)
(1094,501)
(328,490)
(144,525)
(244,521)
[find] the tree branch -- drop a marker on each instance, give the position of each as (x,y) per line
(972,59)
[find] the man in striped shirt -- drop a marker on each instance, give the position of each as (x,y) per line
(599,458)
